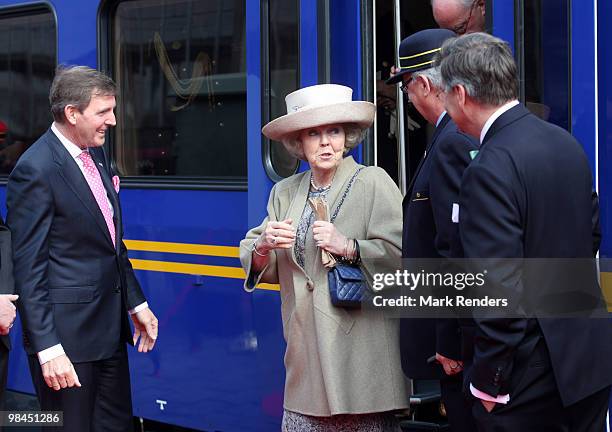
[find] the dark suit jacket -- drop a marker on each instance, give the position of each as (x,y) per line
(7,284)
(528,194)
(429,233)
(75,287)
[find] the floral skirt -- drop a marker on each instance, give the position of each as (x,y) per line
(377,422)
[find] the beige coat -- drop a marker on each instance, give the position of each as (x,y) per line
(338,361)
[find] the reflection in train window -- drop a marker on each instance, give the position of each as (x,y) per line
(180,66)
(546,59)
(280,78)
(27,66)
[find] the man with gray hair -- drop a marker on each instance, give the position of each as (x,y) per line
(460,16)
(428,230)
(527,194)
(71,268)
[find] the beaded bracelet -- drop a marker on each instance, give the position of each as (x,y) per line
(351,252)
(345,251)
(357,252)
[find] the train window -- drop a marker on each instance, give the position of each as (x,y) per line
(181,70)
(546,59)
(27,65)
(281,76)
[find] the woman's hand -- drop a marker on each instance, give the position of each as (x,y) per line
(329,238)
(277,235)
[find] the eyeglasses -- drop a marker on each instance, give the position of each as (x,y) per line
(460,29)
(405,84)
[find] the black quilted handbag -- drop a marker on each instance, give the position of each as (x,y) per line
(347,286)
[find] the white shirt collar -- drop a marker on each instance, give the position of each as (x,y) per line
(72,148)
(502,109)
(440,118)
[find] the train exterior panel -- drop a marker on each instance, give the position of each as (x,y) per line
(218,364)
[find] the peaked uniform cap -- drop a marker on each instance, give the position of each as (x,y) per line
(417,51)
(320,105)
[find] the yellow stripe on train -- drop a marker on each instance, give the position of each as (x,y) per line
(606,287)
(183,248)
(237,272)
(197,269)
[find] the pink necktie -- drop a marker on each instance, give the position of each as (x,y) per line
(92,175)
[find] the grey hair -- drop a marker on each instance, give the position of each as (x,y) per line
(433,75)
(483,65)
(75,85)
(353,135)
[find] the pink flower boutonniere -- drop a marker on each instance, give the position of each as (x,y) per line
(116,183)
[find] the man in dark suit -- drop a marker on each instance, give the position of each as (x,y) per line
(71,268)
(7,308)
(428,230)
(526,195)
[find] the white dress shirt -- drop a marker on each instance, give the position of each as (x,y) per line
(440,118)
(75,151)
(57,350)
(502,109)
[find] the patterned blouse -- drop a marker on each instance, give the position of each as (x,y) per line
(304,229)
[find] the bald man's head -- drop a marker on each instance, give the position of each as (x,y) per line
(460,16)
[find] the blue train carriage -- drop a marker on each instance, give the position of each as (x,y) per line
(197,81)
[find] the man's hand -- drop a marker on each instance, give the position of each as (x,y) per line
(145,328)
(450,366)
(7,312)
(488,405)
(59,373)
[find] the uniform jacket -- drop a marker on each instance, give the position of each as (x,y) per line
(430,233)
(528,194)
(75,287)
(337,360)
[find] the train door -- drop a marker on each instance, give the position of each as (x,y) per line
(188,73)
(604,154)
(28,48)
(401,132)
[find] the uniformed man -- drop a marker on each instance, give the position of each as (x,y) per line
(429,231)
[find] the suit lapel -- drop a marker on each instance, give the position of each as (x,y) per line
(443,123)
(428,150)
(72,175)
(345,171)
(513,114)
(295,211)
(343,174)
(298,203)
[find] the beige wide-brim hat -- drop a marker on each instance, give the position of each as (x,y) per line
(320,105)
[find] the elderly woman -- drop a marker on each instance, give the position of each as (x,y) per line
(342,365)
